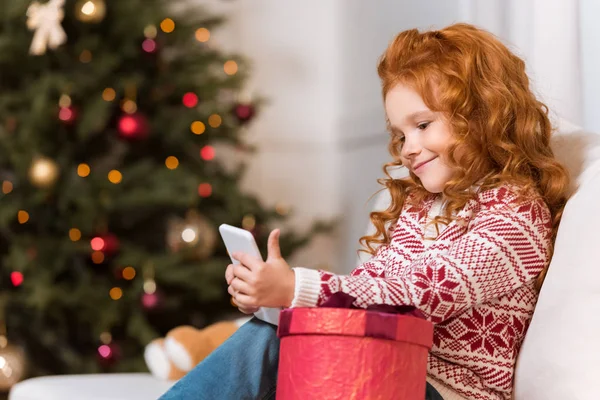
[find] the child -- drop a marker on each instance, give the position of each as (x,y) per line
(466,239)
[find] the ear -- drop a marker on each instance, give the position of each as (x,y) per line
(158,363)
(181,346)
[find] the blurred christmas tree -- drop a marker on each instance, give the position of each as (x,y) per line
(109,113)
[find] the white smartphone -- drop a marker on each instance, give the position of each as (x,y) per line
(242,241)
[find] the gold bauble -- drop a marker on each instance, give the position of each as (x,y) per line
(90,10)
(43,172)
(195,232)
(12,366)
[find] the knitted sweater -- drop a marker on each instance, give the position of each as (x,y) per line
(475,282)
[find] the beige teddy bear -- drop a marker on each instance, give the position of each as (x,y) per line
(185,346)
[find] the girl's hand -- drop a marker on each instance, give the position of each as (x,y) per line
(255,283)
(229,278)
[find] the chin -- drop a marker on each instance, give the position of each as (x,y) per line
(433,187)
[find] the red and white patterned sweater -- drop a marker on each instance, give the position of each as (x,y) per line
(475,282)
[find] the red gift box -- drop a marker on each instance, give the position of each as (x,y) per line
(342,353)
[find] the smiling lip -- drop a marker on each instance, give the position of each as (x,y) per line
(423,163)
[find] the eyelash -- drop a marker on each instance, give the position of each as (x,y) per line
(421,126)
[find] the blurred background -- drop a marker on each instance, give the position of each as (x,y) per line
(129,130)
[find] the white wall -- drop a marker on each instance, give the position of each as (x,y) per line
(322,140)
(590,62)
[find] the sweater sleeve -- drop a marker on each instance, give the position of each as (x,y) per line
(307,291)
(503,250)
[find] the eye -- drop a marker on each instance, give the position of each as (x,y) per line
(422,126)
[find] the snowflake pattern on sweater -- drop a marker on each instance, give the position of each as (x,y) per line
(475,282)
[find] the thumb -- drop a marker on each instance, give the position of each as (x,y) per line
(273,250)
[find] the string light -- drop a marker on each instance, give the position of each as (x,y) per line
(64,101)
(128,106)
(190,99)
(16,278)
(7,187)
(188,235)
(104,351)
(172,162)
(204,189)
(150,286)
(149,45)
(207,153)
(97,257)
(74,234)
(150,32)
(66,114)
(197,127)
(167,25)
(22,216)
(202,35)
(128,273)
(115,176)
(230,67)
(97,243)
(248,222)
(214,120)
(105,337)
(282,209)
(85,56)
(109,94)
(83,170)
(116,293)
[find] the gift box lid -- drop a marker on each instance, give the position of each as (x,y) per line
(355,322)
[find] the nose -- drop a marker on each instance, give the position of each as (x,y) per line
(411,147)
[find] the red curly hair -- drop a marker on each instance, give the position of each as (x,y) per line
(502,132)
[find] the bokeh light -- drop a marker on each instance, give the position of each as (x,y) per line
(109,94)
(214,120)
(172,162)
(7,187)
(128,273)
(115,176)
(230,67)
(83,170)
(190,99)
(202,35)
(74,234)
(204,189)
(23,216)
(116,293)
(207,153)
(197,127)
(167,25)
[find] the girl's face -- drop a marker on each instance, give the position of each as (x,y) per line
(426,136)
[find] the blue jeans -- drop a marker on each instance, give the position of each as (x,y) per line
(244,367)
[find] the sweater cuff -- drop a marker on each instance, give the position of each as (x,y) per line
(308,286)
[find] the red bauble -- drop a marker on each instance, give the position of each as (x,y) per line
(133,126)
(244,112)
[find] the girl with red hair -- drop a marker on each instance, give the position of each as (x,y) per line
(467,237)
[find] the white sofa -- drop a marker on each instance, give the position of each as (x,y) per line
(560,358)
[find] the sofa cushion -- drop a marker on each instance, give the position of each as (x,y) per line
(560,357)
(90,387)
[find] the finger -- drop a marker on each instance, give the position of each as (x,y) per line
(229,273)
(242,272)
(247,260)
(245,301)
(273,250)
(248,310)
(239,285)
